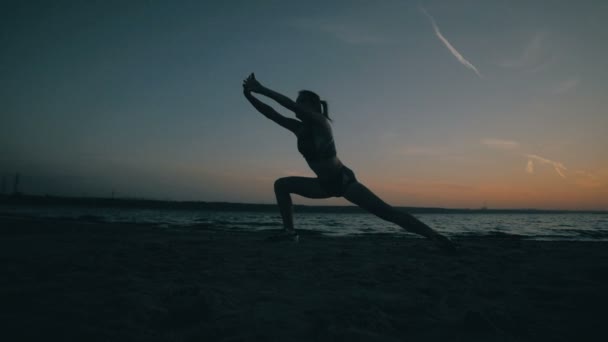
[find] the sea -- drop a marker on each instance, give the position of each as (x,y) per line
(537,226)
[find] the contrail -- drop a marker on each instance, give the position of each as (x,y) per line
(557,166)
(500,144)
(530,166)
(447,44)
(532,158)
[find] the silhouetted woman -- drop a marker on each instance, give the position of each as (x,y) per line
(316,144)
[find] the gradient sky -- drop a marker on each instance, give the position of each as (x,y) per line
(435,103)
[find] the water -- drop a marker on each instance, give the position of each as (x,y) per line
(538,226)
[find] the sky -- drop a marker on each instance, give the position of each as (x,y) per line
(434,103)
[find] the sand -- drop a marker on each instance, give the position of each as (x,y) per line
(85,281)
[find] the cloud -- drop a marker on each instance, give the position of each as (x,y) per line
(530,167)
(447,44)
(529,55)
(431,185)
(587,179)
(566,86)
(421,151)
(440,153)
(533,56)
(500,144)
(532,158)
(349,33)
(557,166)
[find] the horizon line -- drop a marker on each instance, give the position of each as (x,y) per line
(227,203)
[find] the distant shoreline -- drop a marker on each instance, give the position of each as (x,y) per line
(37,200)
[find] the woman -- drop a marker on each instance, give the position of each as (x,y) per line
(316,144)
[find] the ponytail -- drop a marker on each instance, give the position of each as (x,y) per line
(325,109)
(316,101)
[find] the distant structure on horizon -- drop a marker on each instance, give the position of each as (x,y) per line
(485,206)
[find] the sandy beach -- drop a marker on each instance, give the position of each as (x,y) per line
(86,281)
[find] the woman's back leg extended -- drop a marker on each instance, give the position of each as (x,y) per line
(360,195)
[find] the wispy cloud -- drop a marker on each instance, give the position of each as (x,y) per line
(591,180)
(450,47)
(532,158)
(533,56)
(530,166)
(421,151)
(566,86)
(441,153)
(500,144)
(433,185)
(557,166)
(349,33)
(588,180)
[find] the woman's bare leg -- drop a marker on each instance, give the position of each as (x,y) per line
(360,195)
(303,186)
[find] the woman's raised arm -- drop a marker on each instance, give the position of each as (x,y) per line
(253,85)
(290,124)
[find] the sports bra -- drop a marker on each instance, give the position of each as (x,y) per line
(313,144)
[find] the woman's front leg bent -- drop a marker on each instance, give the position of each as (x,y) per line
(303,186)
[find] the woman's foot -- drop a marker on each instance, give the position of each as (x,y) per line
(285,235)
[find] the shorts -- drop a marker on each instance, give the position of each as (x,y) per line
(336,185)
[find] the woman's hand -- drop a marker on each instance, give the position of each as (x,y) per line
(251,84)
